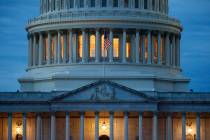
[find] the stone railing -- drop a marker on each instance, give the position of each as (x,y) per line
(101,14)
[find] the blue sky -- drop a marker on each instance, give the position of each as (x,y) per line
(195,45)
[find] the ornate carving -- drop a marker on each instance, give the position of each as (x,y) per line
(103,93)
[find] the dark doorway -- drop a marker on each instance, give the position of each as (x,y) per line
(104,137)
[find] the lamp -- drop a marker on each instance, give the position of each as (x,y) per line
(104,127)
(189,128)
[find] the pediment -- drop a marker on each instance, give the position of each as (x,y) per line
(106,91)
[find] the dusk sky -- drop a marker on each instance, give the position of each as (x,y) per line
(195,45)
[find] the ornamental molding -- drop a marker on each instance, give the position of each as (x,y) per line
(129,15)
(103,93)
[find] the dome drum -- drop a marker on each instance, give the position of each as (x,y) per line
(73,46)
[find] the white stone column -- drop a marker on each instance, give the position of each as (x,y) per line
(53,127)
(126,126)
(67,137)
(70,46)
(9,126)
(124,47)
(174,50)
(30,50)
(111,46)
(140,126)
(137,47)
(149,59)
(143,49)
(159,49)
(49,49)
(111,120)
(97,46)
(65,48)
(83,46)
(183,126)
(82,124)
(40,48)
(141,4)
(167,49)
(96,125)
(169,126)
(155,126)
(59,47)
(38,127)
(198,126)
(24,125)
(34,50)
(149,4)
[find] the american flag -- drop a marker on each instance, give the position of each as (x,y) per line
(107,41)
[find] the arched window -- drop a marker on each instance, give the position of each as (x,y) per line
(104,3)
(136,3)
(92,46)
(115,3)
(126,3)
(92,3)
(145,4)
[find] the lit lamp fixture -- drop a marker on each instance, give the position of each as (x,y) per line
(189,128)
(19,130)
(104,127)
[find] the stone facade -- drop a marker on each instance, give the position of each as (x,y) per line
(75,89)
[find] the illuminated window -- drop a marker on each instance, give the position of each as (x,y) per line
(53,48)
(128,49)
(92,46)
(103,50)
(45,48)
(62,46)
(116,47)
(155,49)
(146,48)
(80,44)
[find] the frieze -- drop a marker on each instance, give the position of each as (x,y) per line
(104,93)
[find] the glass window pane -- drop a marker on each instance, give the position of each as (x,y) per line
(145,4)
(80,44)
(103,50)
(92,46)
(116,47)
(126,3)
